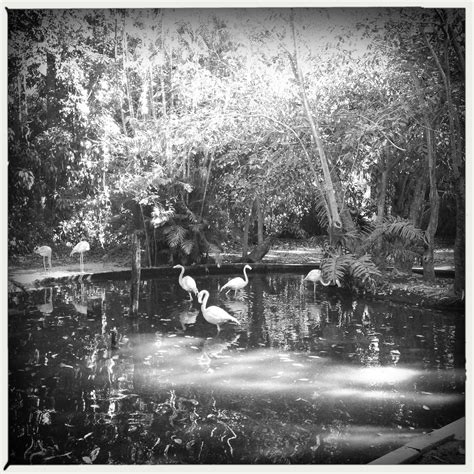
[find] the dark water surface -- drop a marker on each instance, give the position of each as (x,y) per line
(309,377)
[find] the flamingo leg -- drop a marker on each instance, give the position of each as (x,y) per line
(44,263)
(190,296)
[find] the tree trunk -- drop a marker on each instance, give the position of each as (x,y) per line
(50,89)
(382,194)
(428,255)
(147,238)
(418,201)
(460,240)
(259,211)
(456,145)
(162,74)
(345,215)
(135,278)
(245,238)
(125,67)
(258,252)
(208,177)
(334,218)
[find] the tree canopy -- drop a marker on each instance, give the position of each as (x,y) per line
(185,123)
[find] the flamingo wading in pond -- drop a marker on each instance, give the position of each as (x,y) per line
(80,248)
(214,314)
(45,252)
(316,276)
(187,283)
(237,283)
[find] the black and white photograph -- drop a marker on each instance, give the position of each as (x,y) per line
(236,236)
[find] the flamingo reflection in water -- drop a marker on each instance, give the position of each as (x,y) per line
(214,347)
(187,315)
(47,307)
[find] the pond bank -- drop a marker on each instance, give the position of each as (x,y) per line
(26,272)
(445,445)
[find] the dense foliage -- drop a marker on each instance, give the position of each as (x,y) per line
(188,125)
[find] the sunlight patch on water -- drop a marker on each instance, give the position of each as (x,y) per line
(369,375)
(364,435)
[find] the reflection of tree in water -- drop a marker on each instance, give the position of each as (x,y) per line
(99,388)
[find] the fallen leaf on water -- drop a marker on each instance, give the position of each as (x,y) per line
(95,453)
(425,407)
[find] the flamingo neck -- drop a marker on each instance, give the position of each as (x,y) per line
(181,274)
(204,301)
(245,275)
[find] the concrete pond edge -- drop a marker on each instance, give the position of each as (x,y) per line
(413,450)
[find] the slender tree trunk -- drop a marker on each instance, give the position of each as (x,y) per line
(456,146)
(334,218)
(208,176)
(428,255)
(245,238)
(259,212)
(20,117)
(162,74)
(135,279)
(125,67)
(50,89)
(147,238)
(418,201)
(152,93)
(344,213)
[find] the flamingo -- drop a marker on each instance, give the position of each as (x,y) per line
(315,276)
(237,283)
(44,251)
(80,248)
(214,314)
(187,283)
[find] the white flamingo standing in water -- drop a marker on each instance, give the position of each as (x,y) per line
(80,248)
(237,283)
(45,252)
(187,283)
(214,314)
(316,276)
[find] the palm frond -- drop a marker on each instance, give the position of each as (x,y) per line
(174,235)
(187,246)
(402,228)
(334,266)
(363,268)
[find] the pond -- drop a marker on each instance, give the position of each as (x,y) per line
(309,376)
